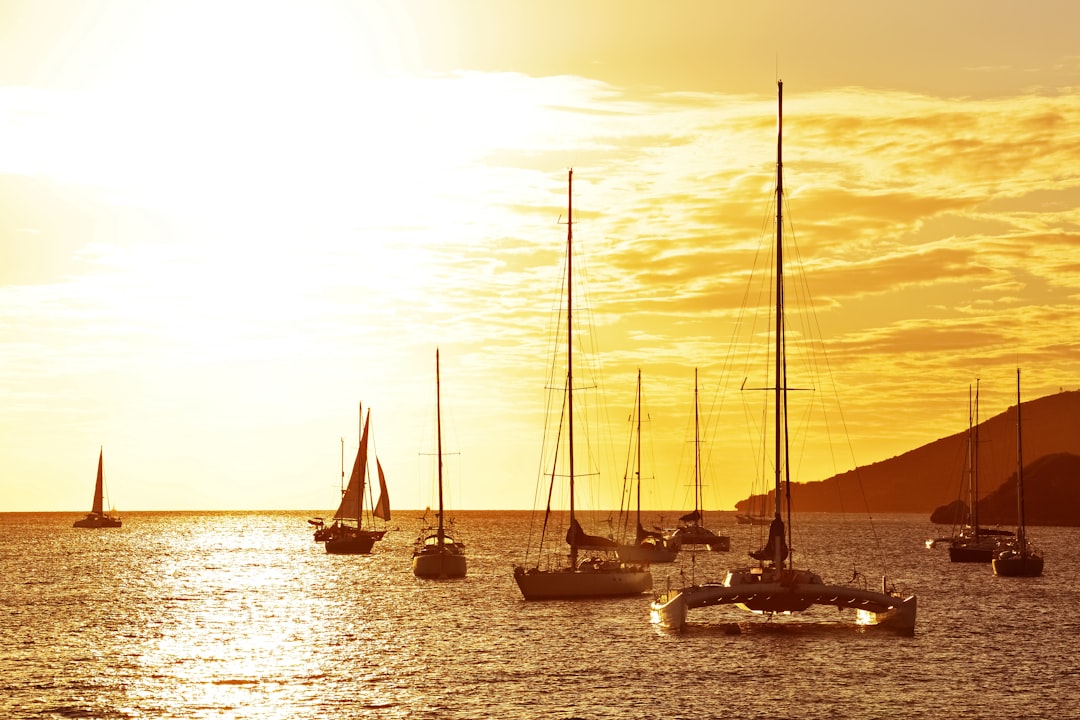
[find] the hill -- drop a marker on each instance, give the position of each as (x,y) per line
(923,479)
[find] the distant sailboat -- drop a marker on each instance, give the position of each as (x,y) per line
(649,546)
(436,554)
(691,530)
(343,537)
(97,517)
(1018,557)
(592,570)
(773,585)
(973,543)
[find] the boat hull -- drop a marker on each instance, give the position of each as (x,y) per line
(693,535)
(351,543)
(439,564)
(787,595)
(646,554)
(98,521)
(1014,564)
(973,551)
(608,580)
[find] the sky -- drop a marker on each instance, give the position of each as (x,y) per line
(225,225)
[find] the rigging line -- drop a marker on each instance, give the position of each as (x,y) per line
(816,332)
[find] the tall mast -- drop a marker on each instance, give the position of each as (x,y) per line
(570,344)
(779,389)
(638,451)
(438,431)
(1020,539)
(975,468)
(697,456)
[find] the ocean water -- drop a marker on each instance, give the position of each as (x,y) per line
(242,615)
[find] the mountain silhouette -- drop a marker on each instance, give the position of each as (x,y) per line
(934,475)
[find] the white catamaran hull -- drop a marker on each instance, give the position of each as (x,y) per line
(786,592)
(585,582)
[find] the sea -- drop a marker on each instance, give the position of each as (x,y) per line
(243,615)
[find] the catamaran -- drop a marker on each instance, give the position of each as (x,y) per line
(98,517)
(773,585)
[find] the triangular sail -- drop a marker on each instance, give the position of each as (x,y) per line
(349,509)
(382,508)
(99,487)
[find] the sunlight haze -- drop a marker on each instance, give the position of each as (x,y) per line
(224,225)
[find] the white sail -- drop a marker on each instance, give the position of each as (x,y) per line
(349,509)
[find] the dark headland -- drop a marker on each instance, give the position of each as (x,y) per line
(926,479)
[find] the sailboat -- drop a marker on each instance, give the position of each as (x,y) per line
(972,543)
(437,555)
(773,585)
(593,569)
(691,529)
(650,546)
(97,517)
(344,537)
(1018,557)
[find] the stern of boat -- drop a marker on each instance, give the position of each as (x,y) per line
(669,610)
(899,617)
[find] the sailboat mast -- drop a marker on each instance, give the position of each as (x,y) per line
(1020,539)
(975,468)
(570,344)
(438,432)
(360,491)
(779,389)
(697,456)
(638,450)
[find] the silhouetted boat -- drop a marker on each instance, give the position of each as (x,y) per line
(974,544)
(98,517)
(348,536)
(774,585)
(437,554)
(691,529)
(1018,557)
(593,569)
(649,546)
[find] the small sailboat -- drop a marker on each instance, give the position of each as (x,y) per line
(1018,557)
(437,554)
(347,535)
(98,517)
(691,530)
(593,569)
(774,585)
(649,546)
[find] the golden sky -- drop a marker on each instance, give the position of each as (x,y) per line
(224,224)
